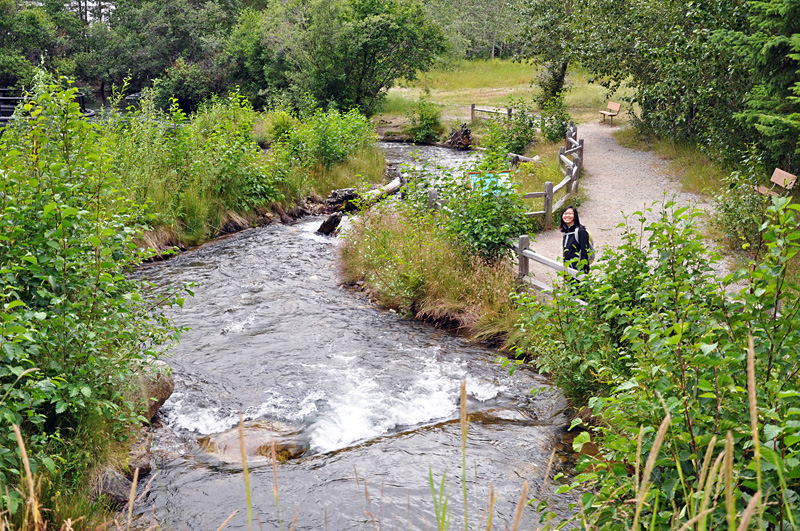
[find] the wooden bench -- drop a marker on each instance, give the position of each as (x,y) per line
(611,112)
(781,178)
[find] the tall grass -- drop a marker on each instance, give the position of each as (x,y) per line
(368,164)
(407,263)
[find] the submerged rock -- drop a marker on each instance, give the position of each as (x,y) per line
(258,437)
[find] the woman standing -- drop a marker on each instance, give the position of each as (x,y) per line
(576,240)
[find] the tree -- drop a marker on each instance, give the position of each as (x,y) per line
(547,38)
(345,53)
(773,104)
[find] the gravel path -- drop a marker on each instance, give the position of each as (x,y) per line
(617,181)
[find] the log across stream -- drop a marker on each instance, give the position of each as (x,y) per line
(368,399)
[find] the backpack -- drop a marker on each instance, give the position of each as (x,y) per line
(590,252)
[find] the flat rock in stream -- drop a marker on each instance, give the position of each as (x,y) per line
(258,437)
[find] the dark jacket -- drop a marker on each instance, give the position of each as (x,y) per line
(576,248)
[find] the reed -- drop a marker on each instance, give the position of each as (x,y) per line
(245,473)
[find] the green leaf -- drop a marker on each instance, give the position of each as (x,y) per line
(580,440)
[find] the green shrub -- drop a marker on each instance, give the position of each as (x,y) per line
(328,137)
(482,215)
(72,316)
(739,210)
(425,123)
(188,84)
(660,333)
(554,119)
(512,134)
(194,171)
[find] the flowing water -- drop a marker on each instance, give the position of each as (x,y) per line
(373,398)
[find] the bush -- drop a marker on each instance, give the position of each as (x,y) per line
(739,210)
(194,171)
(424,119)
(512,135)
(662,338)
(555,119)
(72,317)
(188,84)
(329,137)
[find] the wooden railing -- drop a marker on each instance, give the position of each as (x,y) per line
(570,167)
(474,110)
(525,255)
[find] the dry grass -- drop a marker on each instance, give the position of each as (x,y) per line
(407,263)
(368,165)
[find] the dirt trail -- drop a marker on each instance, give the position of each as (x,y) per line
(617,181)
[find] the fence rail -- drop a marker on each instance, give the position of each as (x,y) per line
(474,110)
(570,167)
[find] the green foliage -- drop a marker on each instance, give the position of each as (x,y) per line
(345,53)
(406,257)
(660,332)
(773,56)
(188,84)
(511,134)
(194,172)
(547,37)
(687,76)
(329,137)
(739,210)
(482,215)
(146,37)
(425,124)
(26,32)
(73,320)
(555,119)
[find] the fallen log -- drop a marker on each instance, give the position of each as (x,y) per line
(516,159)
(345,198)
(389,189)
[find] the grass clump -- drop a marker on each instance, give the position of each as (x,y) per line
(408,263)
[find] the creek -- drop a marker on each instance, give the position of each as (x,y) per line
(372,399)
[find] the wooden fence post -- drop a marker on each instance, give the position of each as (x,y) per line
(524,243)
(576,173)
(548,204)
(472,113)
(580,148)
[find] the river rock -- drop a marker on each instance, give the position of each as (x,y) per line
(115,487)
(331,224)
(139,456)
(258,437)
(156,385)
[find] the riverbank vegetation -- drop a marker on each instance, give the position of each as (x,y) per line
(74,324)
(662,336)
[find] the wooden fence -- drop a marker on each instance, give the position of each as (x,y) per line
(474,110)
(570,167)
